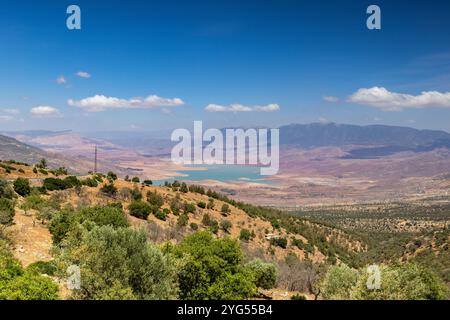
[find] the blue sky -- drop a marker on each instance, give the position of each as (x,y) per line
(228,63)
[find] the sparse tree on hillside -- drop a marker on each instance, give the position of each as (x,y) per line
(5,190)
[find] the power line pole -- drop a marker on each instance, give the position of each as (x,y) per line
(95,160)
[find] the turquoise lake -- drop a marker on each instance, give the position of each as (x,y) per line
(223,173)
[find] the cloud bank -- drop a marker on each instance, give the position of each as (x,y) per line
(241,108)
(100,103)
(380,97)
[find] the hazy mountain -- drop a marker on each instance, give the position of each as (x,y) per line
(12,149)
(332,134)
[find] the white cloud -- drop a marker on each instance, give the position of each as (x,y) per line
(5,118)
(99,103)
(330,98)
(10,111)
(45,112)
(241,108)
(380,97)
(83,74)
(61,80)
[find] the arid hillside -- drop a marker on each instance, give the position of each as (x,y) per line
(181,210)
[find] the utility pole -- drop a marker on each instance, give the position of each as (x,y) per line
(95,160)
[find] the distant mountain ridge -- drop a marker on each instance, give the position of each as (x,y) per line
(13,149)
(332,134)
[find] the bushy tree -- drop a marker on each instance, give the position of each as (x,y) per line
(119,263)
(60,224)
(140,209)
(22,186)
(52,184)
(19,284)
(175,206)
(245,235)
(338,283)
(161,215)
(226,225)
(279,242)
(401,282)
(65,220)
(184,188)
(212,269)
(210,204)
(183,220)
(155,199)
(109,189)
(110,215)
(189,207)
(136,194)
(111,176)
(7,211)
(5,190)
(225,210)
(201,204)
(147,182)
(135,180)
(265,274)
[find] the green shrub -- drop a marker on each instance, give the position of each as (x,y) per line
(109,189)
(160,215)
(135,180)
(22,186)
(189,207)
(140,209)
(90,182)
(43,267)
(6,191)
(245,235)
(52,184)
(265,274)
(72,182)
(60,224)
(19,284)
(147,182)
(201,204)
(119,263)
(401,282)
(338,282)
(194,226)
(207,221)
(136,194)
(64,221)
(226,225)
(210,204)
(175,206)
(279,242)
(110,215)
(7,211)
(183,220)
(225,210)
(184,188)
(111,176)
(212,269)
(155,199)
